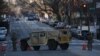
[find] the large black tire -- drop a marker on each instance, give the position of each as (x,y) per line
(36,48)
(64,46)
(23,44)
(52,44)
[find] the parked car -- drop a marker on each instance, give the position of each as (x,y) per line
(60,25)
(2,36)
(32,19)
(79,34)
(73,32)
(5,24)
(83,34)
(3,30)
(53,24)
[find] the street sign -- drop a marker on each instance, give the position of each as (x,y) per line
(97,4)
(89,1)
(92,7)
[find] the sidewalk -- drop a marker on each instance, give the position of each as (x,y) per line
(97,40)
(81,42)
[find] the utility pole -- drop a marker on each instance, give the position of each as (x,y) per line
(80,20)
(95,18)
(88,17)
(69,11)
(92,12)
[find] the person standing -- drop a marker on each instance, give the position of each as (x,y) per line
(14,41)
(90,41)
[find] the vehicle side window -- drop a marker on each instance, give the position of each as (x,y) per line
(42,34)
(35,34)
(64,32)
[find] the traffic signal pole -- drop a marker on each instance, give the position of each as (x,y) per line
(69,11)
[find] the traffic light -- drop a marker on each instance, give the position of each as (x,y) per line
(84,7)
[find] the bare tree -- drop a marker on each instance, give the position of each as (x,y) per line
(57,7)
(3,8)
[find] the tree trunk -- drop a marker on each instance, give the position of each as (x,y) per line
(69,20)
(58,17)
(57,14)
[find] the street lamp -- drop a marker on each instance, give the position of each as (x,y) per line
(84,8)
(84,5)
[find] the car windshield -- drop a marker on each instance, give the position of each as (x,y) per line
(42,34)
(1,33)
(35,34)
(64,32)
(2,28)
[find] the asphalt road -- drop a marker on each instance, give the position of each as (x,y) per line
(72,51)
(42,53)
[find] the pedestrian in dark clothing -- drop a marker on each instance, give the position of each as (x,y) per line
(90,41)
(24,45)
(14,41)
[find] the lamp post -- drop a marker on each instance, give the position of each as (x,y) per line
(69,11)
